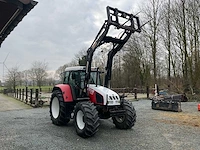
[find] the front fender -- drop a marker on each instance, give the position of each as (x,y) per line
(66,92)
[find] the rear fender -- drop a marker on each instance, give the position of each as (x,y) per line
(66,91)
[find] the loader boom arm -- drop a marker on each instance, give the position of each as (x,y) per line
(127,24)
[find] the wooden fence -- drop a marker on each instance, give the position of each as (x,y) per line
(133,91)
(38,97)
(33,97)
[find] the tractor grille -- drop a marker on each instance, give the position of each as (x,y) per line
(113,100)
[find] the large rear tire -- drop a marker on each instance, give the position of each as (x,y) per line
(128,120)
(86,119)
(58,110)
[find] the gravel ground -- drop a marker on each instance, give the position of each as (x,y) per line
(32,129)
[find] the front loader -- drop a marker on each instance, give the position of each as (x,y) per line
(82,96)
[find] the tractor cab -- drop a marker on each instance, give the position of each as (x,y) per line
(75,77)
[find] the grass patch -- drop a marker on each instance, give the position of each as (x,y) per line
(182,118)
(15,101)
(2,87)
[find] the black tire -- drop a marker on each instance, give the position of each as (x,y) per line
(128,120)
(86,119)
(58,110)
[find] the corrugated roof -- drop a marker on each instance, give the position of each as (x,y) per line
(11,13)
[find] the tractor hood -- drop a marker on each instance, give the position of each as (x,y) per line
(11,13)
(110,97)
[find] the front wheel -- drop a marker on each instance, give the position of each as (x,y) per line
(127,120)
(86,119)
(58,110)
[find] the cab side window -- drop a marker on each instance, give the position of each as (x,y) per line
(66,77)
(75,78)
(72,78)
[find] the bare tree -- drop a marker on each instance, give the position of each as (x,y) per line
(166,35)
(25,77)
(136,65)
(152,12)
(60,70)
(180,26)
(193,22)
(13,78)
(38,73)
(50,81)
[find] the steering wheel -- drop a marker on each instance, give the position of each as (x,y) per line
(77,84)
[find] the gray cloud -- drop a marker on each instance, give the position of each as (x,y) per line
(54,31)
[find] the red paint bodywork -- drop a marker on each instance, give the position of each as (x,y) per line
(92,96)
(66,91)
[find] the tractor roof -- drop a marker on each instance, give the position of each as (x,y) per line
(76,68)
(11,13)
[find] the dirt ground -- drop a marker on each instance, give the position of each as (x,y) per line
(8,103)
(190,116)
(181,119)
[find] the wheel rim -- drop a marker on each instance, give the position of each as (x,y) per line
(80,120)
(55,107)
(120,119)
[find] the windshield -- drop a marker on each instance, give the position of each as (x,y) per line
(94,77)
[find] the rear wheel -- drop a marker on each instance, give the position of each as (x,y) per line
(86,119)
(128,120)
(58,110)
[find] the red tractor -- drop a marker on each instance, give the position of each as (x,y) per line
(82,96)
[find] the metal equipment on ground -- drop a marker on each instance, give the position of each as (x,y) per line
(170,103)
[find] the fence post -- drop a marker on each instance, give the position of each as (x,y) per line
(26,100)
(123,91)
(31,96)
(147,91)
(36,97)
(156,90)
(17,93)
(20,92)
(135,92)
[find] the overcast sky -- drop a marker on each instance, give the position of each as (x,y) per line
(55,30)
